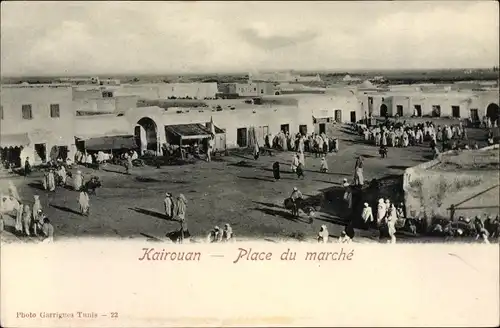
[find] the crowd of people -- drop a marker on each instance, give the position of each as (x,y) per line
(30,221)
(404,134)
(312,143)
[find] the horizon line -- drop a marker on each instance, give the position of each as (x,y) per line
(264,70)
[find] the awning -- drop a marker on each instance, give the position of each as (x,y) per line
(14,140)
(191,131)
(111,142)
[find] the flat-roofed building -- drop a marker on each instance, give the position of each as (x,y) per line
(35,121)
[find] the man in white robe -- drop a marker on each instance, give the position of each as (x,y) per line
(78,180)
(169,205)
(323,234)
(367,214)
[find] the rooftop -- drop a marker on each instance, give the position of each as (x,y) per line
(470,160)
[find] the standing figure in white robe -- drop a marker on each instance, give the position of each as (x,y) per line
(51,181)
(295,162)
(169,205)
(301,144)
(367,214)
(391,223)
(26,219)
(62,173)
(19,216)
(381,211)
(302,160)
(323,235)
(37,207)
(78,180)
(84,202)
(324,165)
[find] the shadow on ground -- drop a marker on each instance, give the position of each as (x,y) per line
(155,214)
(65,209)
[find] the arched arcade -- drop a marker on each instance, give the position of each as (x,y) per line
(147,135)
(493,113)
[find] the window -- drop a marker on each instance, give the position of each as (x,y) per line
(285,128)
(254,89)
(27,114)
(261,90)
(1,112)
(399,110)
(455,111)
(54,110)
(328,120)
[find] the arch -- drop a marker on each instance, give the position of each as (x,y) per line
(277,93)
(493,112)
(383,110)
(146,135)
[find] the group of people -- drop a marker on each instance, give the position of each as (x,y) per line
(313,143)
(482,229)
(218,235)
(30,220)
(324,236)
(389,134)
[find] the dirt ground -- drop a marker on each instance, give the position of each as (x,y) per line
(223,191)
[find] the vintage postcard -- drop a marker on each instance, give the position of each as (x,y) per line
(237,164)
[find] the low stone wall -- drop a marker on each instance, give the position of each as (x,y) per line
(431,193)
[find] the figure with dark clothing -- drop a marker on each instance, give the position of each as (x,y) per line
(27,167)
(276,170)
(383,151)
(300,171)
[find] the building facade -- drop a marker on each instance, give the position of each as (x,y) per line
(36,120)
(453,104)
(250,89)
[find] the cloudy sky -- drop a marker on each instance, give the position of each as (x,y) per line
(154,37)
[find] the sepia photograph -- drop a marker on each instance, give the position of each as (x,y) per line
(167,130)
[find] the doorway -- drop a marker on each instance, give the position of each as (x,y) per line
(418,110)
(474,115)
(285,128)
(41,152)
(322,128)
(383,110)
(455,111)
(353,117)
(493,112)
(146,135)
(338,116)
(242,137)
(399,110)
(436,110)
(303,130)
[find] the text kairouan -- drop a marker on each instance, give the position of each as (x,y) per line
(152,254)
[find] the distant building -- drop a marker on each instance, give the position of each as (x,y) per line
(250,89)
(349,78)
(288,76)
(169,90)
